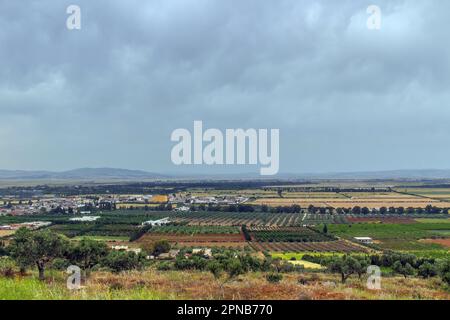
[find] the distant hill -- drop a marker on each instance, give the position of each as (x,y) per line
(388,174)
(98,174)
(80,174)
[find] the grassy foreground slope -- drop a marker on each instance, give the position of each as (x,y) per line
(152,284)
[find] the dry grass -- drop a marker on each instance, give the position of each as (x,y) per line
(314,286)
(152,284)
(6,233)
(351,199)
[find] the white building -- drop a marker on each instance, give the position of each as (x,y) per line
(365,240)
(155,223)
(182,208)
(85,218)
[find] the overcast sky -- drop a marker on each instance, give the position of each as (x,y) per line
(344,97)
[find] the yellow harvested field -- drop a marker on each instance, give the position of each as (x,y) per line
(387,204)
(159,198)
(352,199)
(134,205)
(288,202)
(306,264)
(5,233)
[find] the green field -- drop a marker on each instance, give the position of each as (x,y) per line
(396,236)
(426,220)
(95,229)
(380,231)
(33,289)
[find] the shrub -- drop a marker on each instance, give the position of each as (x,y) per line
(164,266)
(445,271)
(427,270)
(161,246)
(404,269)
(6,267)
(274,277)
(119,261)
(140,232)
(60,264)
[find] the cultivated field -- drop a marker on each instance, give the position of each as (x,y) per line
(185,238)
(330,246)
(287,234)
(351,199)
(238,218)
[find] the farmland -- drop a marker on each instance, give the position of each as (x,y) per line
(288,223)
(339,246)
(288,234)
(362,199)
(198,238)
(404,236)
(238,218)
(193,230)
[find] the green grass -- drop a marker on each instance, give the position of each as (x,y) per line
(31,288)
(382,231)
(435,254)
(396,236)
(427,220)
(408,245)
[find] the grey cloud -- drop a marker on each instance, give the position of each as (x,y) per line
(344,97)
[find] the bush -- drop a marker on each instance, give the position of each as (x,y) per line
(161,246)
(119,261)
(404,269)
(3,251)
(274,277)
(445,272)
(165,266)
(140,232)
(60,264)
(427,270)
(7,267)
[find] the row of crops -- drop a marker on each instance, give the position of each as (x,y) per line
(239,218)
(316,218)
(339,246)
(94,229)
(298,234)
(195,229)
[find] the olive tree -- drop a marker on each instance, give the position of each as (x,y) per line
(37,248)
(87,253)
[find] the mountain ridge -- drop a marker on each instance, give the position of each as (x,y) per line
(105,173)
(80,173)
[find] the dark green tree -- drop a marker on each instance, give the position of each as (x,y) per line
(37,248)
(87,253)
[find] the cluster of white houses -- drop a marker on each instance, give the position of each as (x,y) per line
(222,200)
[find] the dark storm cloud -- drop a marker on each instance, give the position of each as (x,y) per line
(344,97)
